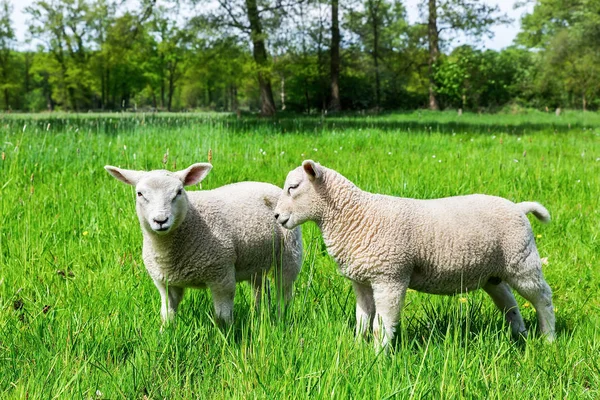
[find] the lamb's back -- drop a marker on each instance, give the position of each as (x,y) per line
(462,241)
(243,212)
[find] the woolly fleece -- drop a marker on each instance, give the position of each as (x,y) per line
(211,238)
(386,245)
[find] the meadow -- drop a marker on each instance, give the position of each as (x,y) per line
(79,316)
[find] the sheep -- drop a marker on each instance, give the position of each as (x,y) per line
(386,245)
(211,239)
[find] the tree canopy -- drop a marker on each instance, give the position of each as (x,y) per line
(300,55)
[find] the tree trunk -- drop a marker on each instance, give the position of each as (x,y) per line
(259,51)
(162,92)
(374,11)
(172,71)
(108,91)
(170,95)
(334,104)
(234,102)
(321,68)
(27,71)
(282,92)
(306,96)
(434,52)
(584,101)
(102,84)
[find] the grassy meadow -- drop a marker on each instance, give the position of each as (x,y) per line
(79,316)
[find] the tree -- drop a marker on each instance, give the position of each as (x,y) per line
(382,29)
(261,17)
(7,40)
(301,46)
(102,18)
(566,34)
(334,103)
(259,50)
(470,17)
(170,51)
(62,25)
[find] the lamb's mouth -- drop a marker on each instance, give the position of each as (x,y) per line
(162,229)
(283,222)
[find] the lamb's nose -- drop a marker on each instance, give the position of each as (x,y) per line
(160,222)
(276,216)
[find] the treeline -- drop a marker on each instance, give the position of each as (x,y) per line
(299,55)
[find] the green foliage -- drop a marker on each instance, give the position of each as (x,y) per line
(79,316)
(197,54)
(473,79)
(566,34)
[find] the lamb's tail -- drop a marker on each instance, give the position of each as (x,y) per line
(536,209)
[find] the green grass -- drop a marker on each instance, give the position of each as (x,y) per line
(79,317)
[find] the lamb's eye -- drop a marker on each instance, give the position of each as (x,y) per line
(291,187)
(139,194)
(179,192)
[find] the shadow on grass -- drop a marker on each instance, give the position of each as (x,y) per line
(112,124)
(464,323)
(319,126)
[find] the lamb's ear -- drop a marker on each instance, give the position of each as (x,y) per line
(312,169)
(127,176)
(194,173)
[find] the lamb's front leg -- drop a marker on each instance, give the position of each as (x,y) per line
(365,308)
(170,297)
(389,299)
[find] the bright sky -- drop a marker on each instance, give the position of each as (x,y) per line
(503,35)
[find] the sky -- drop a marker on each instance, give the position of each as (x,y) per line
(503,35)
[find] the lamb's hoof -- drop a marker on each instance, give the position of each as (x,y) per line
(550,337)
(522,335)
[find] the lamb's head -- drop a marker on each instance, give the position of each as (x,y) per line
(162,202)
(301,198)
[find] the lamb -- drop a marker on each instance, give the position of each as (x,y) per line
(212,238)
(386,245)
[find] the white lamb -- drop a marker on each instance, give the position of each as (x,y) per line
(212,238)
(386,245)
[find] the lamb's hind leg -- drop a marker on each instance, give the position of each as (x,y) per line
(505,300)
(530,284)
(223,293)
(262,290)
(389,299)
